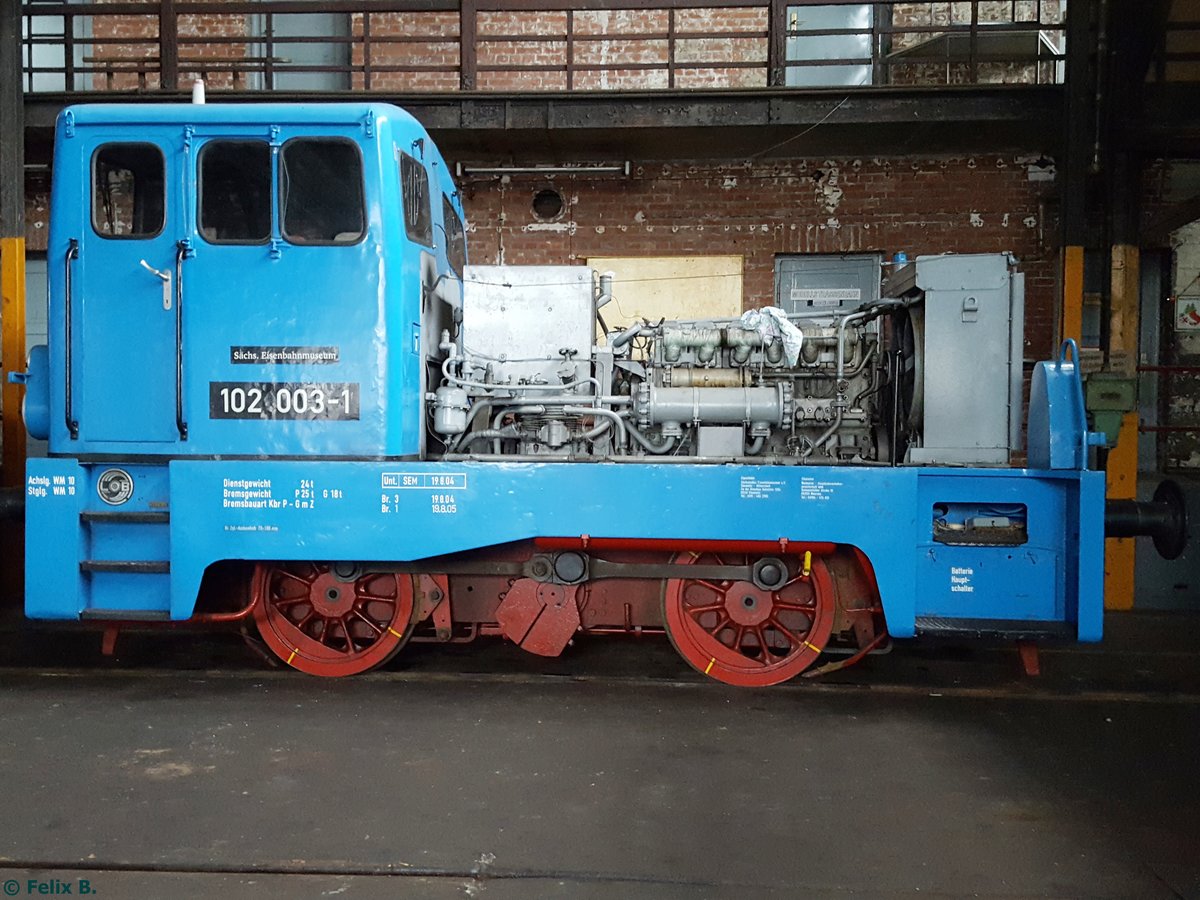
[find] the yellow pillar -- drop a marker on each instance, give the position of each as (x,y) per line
(1071,324)
(1123,318)
(12,356)
(1123,459)
(1122,485)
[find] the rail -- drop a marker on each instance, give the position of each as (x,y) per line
(397,46)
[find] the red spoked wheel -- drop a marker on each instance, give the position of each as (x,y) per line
(746,635)
(330,624)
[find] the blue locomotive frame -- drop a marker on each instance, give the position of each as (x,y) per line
(156,472)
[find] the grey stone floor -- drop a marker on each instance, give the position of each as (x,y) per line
(434,784)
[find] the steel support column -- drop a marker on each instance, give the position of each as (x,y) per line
(468,30)
(12,242)
(168,45)
(1135,30)
(1121,359)
(12,288)
(1078,141)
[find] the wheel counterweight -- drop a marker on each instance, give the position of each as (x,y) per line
(745,635)
(329,624)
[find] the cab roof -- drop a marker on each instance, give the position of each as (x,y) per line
(233,114)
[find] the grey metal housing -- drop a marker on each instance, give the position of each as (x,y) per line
(970,314)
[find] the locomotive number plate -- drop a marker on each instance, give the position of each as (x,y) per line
(273,400)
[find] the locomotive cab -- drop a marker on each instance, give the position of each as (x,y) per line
(237,281)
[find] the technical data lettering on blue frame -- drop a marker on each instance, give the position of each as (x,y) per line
(392,481)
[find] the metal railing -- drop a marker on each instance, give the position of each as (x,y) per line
(397,46)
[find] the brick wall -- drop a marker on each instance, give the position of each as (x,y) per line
(123,44)
(755,209)
(401,40)
(420,51)
(531,50)
(641,49)
(214,25)
(758,210)
(130,61)
(1053,12)
(1166,183)
(1052,21)
(37,217)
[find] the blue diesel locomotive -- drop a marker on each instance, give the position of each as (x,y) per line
(274,389)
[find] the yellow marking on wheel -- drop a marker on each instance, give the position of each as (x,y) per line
(813,647)
(708,668)
(293,656)
(395,632)
(807,563)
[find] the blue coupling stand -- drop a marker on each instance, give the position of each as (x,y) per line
(1058,432)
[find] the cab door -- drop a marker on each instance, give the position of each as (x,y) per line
(284,311)
(126,263)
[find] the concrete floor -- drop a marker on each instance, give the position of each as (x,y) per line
(935,771)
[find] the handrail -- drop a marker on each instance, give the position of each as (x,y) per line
(181,250)
(72,254)
(450,45)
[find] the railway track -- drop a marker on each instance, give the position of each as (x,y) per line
(931,668)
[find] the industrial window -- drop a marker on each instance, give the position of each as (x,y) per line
(456,236)
(235,192)
(321,191)
(128,191)
(414,184)
(829,44)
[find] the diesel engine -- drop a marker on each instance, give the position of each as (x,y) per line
(531,371)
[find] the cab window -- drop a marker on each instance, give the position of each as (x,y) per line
(128,191)
(456,237)
(418,215)
(321,191)
(235,192)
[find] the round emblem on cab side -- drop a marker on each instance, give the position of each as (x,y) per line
(115,486)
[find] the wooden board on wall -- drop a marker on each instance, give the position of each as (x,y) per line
(671,287)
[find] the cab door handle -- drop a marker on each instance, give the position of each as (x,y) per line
(72,254)
(165,277)
(181,253)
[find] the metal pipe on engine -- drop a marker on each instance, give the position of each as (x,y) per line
(603,413)
(508,431)
(626,336)
(829,432)
(672,406)
(841,343)
(680,376)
